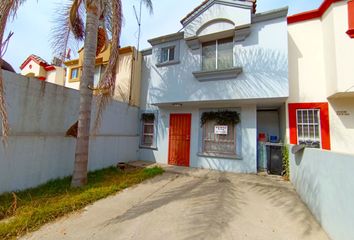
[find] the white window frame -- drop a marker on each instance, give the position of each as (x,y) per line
(217,52)
(157,53)
(308,124)
(169,49)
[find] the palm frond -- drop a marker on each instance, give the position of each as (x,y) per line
(15,5)
(109,76)
(148,5)
(75,20)
(61,33)
(114,20)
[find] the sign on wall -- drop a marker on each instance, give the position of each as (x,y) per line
(220,129)
(343,113)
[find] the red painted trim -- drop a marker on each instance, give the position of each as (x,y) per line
(350,32)
(313,14)
(42,78)
(42,64)
(324,118)
(24,64)
(49,68)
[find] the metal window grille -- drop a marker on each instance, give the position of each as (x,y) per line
(308,127)
(148,132)
(216,143)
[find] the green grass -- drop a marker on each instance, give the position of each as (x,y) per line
(28,210)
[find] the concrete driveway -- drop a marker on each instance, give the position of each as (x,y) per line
(193,204)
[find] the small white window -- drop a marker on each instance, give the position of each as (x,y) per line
(219,142)
(217,55)
(167,54)
(148,130)
(308,127)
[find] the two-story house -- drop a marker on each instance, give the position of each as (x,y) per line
(321,101)
(128,76)
(209,91)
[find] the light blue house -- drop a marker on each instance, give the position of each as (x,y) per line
(208,91)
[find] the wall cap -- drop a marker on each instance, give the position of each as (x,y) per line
(167,38)
(146,52)
(270,15)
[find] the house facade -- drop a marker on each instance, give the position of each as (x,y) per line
(128,73)
(37,67)
(209,92)
(320,107)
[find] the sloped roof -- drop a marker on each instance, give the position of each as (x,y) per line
(206,1)
(6,66)
(195,10)
(37,60)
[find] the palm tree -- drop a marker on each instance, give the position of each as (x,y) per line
(103,18)
(8,8)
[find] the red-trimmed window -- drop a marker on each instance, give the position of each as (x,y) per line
(309,124)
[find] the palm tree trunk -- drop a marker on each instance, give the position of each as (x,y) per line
(82,145)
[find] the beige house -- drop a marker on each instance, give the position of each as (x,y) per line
(37,67)
(321,99)
(128,73)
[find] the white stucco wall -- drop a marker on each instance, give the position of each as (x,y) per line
(342,126)
(220,10)
(342,47)
(324,181)
(72,85)
(306,62)
(263,57)
(40,113)
(56,76)
(35,69)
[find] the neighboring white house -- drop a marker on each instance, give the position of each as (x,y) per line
(37,67)
(321,101)
(229,61)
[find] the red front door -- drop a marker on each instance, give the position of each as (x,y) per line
(179,139)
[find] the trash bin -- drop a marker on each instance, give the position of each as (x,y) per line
(275,160)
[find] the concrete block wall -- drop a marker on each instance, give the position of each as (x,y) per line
(324,181)
(40,113)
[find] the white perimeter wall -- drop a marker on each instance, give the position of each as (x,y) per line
(324,180)
(40,114)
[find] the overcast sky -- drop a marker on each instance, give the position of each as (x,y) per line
(34,21)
